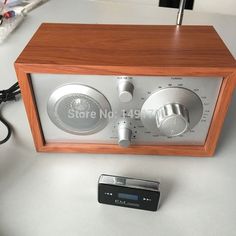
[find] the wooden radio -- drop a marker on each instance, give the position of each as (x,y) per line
(151,89)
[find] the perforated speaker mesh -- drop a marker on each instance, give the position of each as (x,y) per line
(78,109)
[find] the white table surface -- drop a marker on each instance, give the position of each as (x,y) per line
(56,194)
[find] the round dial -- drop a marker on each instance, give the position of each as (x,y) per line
(171,111)
(172,119)
(77,109)
(124,133)
(125,90)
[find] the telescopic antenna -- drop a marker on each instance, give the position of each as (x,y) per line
(180,12)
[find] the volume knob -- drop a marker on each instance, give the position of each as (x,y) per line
(172,119)
(125,90)
(124,133)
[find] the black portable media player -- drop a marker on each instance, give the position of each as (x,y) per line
(129,192)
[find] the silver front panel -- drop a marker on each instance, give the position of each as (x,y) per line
(206,88)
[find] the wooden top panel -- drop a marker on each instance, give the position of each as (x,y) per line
(127,45)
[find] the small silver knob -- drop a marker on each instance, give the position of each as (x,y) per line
(125,90)
(172,119)
(124,133)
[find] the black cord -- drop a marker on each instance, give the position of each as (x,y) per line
(5,96)
(8,131)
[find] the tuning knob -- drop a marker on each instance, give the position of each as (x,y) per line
(171,111)
(124,133)
(125,90)
(172,119)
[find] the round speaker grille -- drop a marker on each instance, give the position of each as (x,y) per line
(78,109)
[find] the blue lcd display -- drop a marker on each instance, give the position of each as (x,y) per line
(128,196)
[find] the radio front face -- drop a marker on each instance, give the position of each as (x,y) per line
(127,110)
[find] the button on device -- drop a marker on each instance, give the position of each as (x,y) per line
(124,133)
(120,180)
(172,119)
(125,89)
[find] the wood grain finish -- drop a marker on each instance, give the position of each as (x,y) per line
(31,108)
(130,45)
(127,50)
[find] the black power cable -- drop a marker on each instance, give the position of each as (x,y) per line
(5,96)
